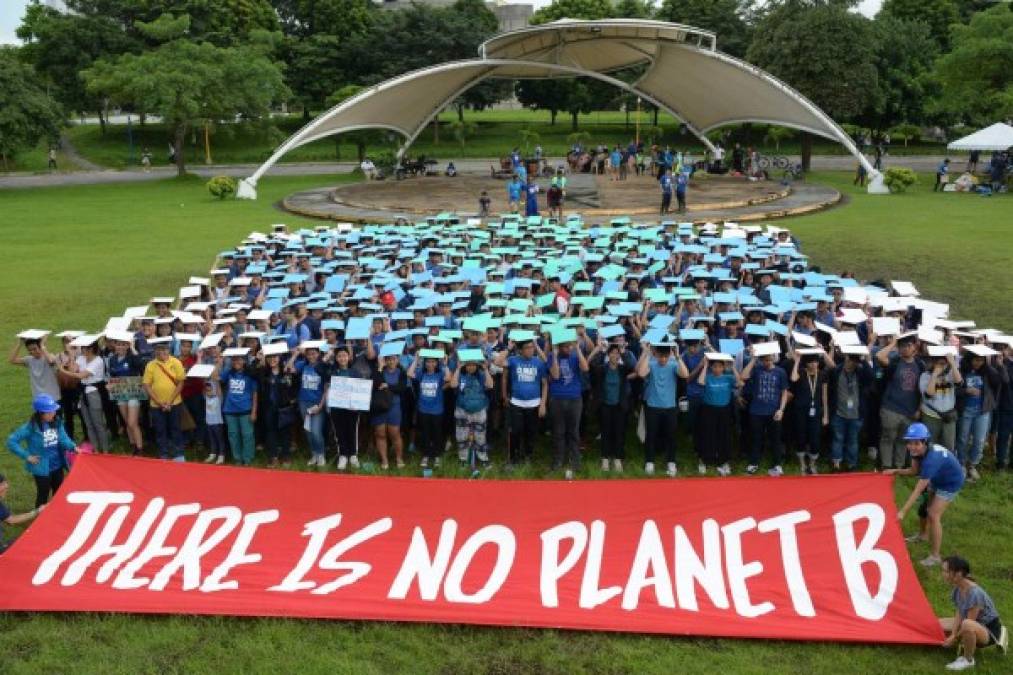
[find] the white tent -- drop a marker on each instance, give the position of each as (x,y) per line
(999,136)
(683,73)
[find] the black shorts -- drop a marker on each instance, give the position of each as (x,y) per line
(994,628)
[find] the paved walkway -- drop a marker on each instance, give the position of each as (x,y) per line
(804,198)
(25,180)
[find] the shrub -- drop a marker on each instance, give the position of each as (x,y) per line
(899,179)
(222,187)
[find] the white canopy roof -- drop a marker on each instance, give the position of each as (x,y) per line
(999,136)
(683,74)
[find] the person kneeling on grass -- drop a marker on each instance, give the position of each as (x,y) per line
(8,518)
(939,472)
(976,622)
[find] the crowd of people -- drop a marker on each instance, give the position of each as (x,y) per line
(487,337)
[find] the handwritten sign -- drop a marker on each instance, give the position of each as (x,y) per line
(349,393)
(126,389)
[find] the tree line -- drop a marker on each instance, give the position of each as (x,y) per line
(199,64)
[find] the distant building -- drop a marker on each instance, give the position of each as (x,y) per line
(510,16)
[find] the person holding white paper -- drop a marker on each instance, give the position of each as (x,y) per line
(810,411)
(902,370)
(939,399)
(41,366)
(848,387)
(768,396)
(712,435)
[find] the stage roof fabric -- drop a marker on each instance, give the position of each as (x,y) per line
(998,137)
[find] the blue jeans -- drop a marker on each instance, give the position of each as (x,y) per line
(972,427)
(315,435)
(168,431)
(1004,430)
(845,442)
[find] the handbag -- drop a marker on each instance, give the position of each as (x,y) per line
(186,421)
(381,401)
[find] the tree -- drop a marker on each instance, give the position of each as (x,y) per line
(549,94)
(728,18)
(975,77)
(824,51)
(574,9)
(27,114)
(528,137)
(579,100)
(938,14)
(462,131)
(633,9)
(776,134)
(61,45)
(191,83)
(904,56)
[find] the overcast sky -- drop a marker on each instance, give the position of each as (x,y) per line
(11,12)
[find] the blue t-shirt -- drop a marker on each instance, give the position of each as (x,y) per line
(51,445)
(514,191)
(666,184)
(768,385)
(680,183)
(391,379)
(532,200)
(616,158)
(659,388)
(941,469)
(526,377)
(471,396)
(239,389)
(972,404)
(719,389)
(693,389)
(568,384)
(430,392)
(612,386)
(312,379)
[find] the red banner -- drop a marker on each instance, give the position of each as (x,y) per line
(807,558)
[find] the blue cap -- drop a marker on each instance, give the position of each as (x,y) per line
(917,432)
(44,403)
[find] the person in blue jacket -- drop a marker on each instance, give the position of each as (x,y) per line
(42,443)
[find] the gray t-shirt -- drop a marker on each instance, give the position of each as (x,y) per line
(42,375)
(975,597)
(847,395)
(901,394)
(945,398)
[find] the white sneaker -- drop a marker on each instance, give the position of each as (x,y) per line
(220,460)
(210,459)
(354,461)
(813,469)
(751,469)
(873,453)
(482,457)
(671,470)
(617,465)
(724,469)
(342,463)
(312,461)
(962,663)
(424,463)
(568,475)
(701,469)
(776,471)
(649,468)
(604,465)
(932,561)
(973,473)
(436,463)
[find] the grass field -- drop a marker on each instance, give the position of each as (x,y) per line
(75,255)
(497,132)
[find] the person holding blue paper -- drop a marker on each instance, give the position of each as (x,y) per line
(313,376)
(239,407)
(473,382)
(525,392)
(612,373)
(386,409)
(660,366)
(279,408)
(430,383)
(566,362)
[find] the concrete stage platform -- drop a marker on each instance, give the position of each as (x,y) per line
(597,198)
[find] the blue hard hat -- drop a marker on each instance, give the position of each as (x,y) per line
(917,432)
(44,403)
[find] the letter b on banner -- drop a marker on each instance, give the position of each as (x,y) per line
(867,605)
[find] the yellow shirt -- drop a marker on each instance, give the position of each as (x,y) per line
(157,376)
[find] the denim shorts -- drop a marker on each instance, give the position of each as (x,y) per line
(945,495)
(392,418)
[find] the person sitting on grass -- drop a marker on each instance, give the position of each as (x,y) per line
(940,473)
(976,621)
(8,518)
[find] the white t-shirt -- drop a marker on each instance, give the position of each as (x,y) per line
(719,153)
(97,369)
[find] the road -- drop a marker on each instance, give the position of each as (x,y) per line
(23,180)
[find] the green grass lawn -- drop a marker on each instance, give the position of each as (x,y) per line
(76,255)
(498,131)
